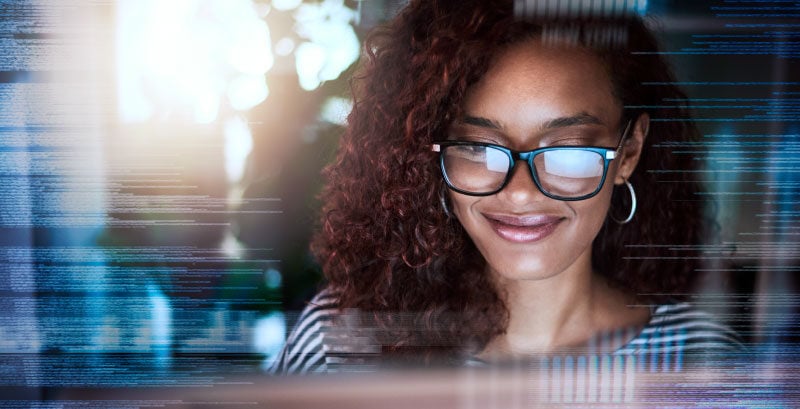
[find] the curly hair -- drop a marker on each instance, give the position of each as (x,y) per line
(385,244)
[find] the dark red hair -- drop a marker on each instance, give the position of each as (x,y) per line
(385,243)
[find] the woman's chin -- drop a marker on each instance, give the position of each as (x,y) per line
(522,271)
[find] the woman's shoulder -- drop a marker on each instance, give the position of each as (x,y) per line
(304,351)
(683,328)
(326,338)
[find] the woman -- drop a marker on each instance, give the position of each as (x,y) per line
(482,206)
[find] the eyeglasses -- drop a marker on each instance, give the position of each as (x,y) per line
(560,172)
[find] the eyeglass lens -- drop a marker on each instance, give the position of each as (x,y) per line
(560,172)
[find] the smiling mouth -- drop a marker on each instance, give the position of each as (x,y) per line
(523,229)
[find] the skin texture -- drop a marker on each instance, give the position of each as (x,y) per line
(554,297)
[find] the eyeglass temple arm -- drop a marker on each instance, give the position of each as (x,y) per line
(612,155)
(624,134)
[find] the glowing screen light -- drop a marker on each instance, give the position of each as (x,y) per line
(269,335)
(573,164)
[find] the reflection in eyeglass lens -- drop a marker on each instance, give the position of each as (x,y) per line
(563,172)
(571,163)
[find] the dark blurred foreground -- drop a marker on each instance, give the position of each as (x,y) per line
(759,379)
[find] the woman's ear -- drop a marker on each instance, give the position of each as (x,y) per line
(632,148)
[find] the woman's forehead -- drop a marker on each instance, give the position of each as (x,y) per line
(530,85)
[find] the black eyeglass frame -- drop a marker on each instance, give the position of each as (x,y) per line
(608,155)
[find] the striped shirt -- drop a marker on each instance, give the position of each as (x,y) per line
(323,341)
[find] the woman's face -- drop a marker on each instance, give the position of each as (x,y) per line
(536,96)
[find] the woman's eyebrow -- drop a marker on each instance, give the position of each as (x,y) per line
(582,118)
(481,122)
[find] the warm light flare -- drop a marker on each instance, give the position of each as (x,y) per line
(186,59)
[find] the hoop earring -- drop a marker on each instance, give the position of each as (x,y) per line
(633,206)
(443,201)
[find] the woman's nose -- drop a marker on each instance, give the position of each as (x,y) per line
(521,188)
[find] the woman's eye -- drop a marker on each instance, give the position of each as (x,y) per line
(472,152)
(469,149)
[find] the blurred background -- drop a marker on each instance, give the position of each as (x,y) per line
(159,166)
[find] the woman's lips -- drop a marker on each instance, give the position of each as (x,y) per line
(523,229)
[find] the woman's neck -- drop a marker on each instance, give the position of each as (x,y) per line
(569,310)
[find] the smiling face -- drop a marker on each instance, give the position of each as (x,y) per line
(532,97)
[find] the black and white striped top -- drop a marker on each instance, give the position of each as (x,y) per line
(319,343)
